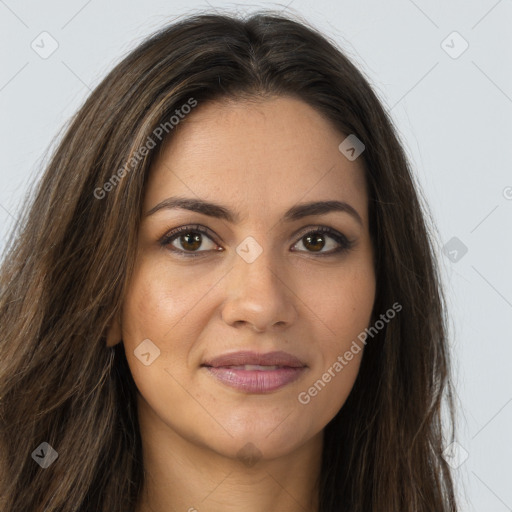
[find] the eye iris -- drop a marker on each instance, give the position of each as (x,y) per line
(191,240)
(317,239)
(188,238)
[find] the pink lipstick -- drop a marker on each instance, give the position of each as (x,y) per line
(256,373)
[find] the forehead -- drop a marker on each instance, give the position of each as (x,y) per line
(257,156)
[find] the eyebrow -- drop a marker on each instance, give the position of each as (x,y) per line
(296,212)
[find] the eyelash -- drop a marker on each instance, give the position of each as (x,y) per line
(345,244)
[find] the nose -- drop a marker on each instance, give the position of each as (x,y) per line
(259,295)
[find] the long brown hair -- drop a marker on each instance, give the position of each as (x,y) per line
(66,267)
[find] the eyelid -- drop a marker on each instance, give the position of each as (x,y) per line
(344,242)
(168,237)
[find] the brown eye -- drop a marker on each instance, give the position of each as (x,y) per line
(190,242)
(322,237)
(187,240)
(314,242)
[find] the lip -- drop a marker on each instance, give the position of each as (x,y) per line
(289,368)
(278,358)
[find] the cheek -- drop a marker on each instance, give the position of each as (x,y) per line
(344,303)
(153,309)
(328,390)
(159,299)
(167,306)
(344,307)
(156,303)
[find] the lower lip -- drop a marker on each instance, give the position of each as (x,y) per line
(256,381)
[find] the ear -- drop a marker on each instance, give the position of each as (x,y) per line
(114,333)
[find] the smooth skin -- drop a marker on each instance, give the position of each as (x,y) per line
(207,446)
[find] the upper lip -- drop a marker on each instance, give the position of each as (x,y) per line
(269,359)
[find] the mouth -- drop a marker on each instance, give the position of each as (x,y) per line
(256,373)
(253,358)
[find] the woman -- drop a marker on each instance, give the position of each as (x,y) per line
(224,293)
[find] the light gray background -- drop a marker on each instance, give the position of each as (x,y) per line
(453,114)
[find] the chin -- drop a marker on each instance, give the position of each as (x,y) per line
(258,439)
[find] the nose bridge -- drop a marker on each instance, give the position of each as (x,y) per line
(256,269)
(257,293)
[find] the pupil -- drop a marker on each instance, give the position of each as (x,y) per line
(188,238)
(192,242)
(318,239)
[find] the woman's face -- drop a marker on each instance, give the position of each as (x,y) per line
(260,279)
